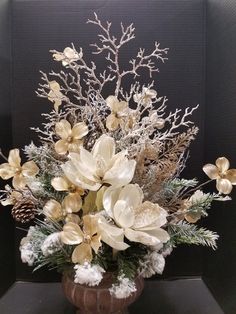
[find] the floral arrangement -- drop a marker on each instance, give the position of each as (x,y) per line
(103,185)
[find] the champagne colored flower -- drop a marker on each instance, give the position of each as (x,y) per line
(119,113)
(68,56)
(225,177)
(13,169)
(102,165)
(87,239)
(73,201)
(140,222)
(53,210)
(145,98)
(55,95)
(156,121)
(71,138)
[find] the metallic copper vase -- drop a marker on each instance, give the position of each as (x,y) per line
(98,300)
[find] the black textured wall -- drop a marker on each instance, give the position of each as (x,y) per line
(178,24)
(7,258)
(219,267)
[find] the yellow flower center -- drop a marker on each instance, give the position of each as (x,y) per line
(87,238)
(70,139)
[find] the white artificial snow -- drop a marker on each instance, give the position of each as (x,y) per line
(123,289)
(88,274)
(51,244)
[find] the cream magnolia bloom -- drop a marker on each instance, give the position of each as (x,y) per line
(68,56)
(73,201)
(55,95)
(71,138)
(120,114)
(86,240)
(13,169)
(140,222)
(145,98)
(220,172)
(102,165)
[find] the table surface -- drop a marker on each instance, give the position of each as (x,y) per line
(181,296)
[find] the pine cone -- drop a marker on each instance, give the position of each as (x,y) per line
(24,210)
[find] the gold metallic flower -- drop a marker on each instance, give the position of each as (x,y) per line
(119,113)
(71,138)
(140,222)
(91,170)
(13,169)
(225,177)
(53,210)
(55,95)
(72,202)
(87,239)
(145,98)
(68,56)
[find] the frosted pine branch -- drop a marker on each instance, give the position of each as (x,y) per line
(191,234)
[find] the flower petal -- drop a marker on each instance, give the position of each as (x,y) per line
(63,129)
(105,148)
(72,172)
(96,242)
(85,163)
(224,186)
(79,130)
(123,214)
(112,235)
(222,164)
(71,234)
(52,210)
(112,123)
(19,181)
(30,169)
(110,197)
(14,158)
(72,203)
(231,176)
(111,101)
(132,194)
(75,146)
(160,234)
(61,147)
(211,171)
(90,225)
(7,171)
(141,237)
(60,184)
(54,86)
(149,216)
(121,173)
(82,253)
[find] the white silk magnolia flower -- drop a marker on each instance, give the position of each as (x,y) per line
(13,169)
(71,138)
(90,170)
(55,95)
(225,177)
(145,98)
(68,56)
(87,239)
(140,222)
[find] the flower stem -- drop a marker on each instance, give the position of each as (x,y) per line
(197,187)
